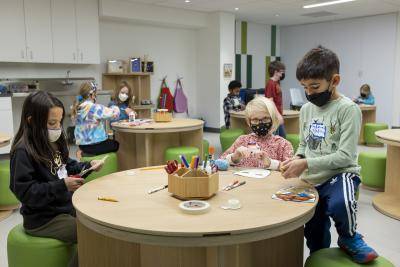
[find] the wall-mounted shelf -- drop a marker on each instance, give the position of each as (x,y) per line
(129,74)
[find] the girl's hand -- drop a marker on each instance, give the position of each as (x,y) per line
(294,168)
(128,110)
(96,165)
(240,152)
(73,184)
(263,156)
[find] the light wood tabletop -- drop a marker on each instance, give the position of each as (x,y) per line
(367,107)
(4,139)
(388,201)
(176,125)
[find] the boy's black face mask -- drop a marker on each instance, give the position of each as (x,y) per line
(282,77)
(320,99)
(363,95)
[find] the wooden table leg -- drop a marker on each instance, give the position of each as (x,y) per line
(388,202)
(95,249)
(192,138)
(368,116)
(292,125)
(127,150)
(240,123)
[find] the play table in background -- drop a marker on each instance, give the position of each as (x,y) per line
(368,116)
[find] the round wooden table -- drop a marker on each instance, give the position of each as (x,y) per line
(144,145)
(368,116)
(291,118)
(5,141)
(388,202)
(150,230)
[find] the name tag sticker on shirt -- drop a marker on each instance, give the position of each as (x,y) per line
(318,129)
(236,102)
(62,172)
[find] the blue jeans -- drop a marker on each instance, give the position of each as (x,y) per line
(336,200)
(281,131)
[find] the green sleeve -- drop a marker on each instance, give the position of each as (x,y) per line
(350,122)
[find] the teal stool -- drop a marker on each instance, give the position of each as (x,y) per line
(373,169)
(335,257)
(369,133)
(294,139)
(173,153)
(206,146)
(28,251)
(8,201)
(110,166)
(228,137)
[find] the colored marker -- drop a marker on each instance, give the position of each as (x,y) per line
(184,161)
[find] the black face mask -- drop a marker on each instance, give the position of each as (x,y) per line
(262,128)
(283,76)
(320,99)
(363,95)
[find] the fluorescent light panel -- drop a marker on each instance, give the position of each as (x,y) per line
(328,3)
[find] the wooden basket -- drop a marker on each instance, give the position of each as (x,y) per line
(162,116)
(193,184)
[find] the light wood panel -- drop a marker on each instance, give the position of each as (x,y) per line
(4,139)
(368,116)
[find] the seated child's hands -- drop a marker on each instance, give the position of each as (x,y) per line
(73,183)
(263,156)
(293,168)
(96,165)
(241,152)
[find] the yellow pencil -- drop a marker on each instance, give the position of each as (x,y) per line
(107,199)
(153,168)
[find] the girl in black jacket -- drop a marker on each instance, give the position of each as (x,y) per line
(41,168)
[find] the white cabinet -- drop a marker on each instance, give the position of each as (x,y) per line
(12,28)
(87,28)
(38,31)
(6,119)
(65,48)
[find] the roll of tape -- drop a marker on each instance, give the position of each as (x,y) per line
(194,206)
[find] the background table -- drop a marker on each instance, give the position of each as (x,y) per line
(389,202)
(368,116)
(5,141)
(144,145)
(291,117)
(150,230)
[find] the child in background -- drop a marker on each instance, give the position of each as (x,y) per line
(40,170)
(232,101)
(123,98)
(276,70)
(261,148)
(90,133)
(366,96)
(327,155)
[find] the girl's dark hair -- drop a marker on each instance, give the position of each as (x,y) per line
(33,132)
(275,66)
(234,84)
(318,63)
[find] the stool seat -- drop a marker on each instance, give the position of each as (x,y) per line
(294,139)
(28,251)
(8,201)
(228,137)
(369,133)
(335,257)
(373,169)
(110,166)
(173,153)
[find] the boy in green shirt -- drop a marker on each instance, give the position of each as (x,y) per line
(327,155)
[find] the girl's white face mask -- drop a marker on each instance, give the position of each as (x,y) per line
(123,97)
(54,134)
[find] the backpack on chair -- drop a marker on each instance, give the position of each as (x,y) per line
(180,99)
(165,100)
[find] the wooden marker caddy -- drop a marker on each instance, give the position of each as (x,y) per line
(188,184)
(162,115)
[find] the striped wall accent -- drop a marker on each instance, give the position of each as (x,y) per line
(254,52)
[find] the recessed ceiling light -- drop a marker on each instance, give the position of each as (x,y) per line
(236,8)
(277,15)
(327,3)
(187,1)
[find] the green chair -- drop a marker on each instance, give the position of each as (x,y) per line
(173,153)
(8,201)
(110,166)
(223,129)
(294,139)
(335,257)
(206,146)
(373,169)
(28,251)
(228,137)
(369,133)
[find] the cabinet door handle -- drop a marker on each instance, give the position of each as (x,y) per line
(22,53)
(81,56)
(31,54)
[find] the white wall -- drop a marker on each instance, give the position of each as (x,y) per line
(173,51)
(366,49)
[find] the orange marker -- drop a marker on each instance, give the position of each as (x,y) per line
(211,151)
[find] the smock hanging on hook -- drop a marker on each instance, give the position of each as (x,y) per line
(165,100)
(180,99)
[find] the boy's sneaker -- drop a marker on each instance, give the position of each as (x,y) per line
(357,248)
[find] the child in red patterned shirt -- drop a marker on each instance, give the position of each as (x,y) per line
(261,148)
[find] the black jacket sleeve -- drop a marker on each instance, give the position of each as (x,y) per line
(26,185)
(74,167)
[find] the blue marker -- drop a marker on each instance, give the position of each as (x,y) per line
(184,161)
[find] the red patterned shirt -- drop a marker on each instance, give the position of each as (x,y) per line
(276,147)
